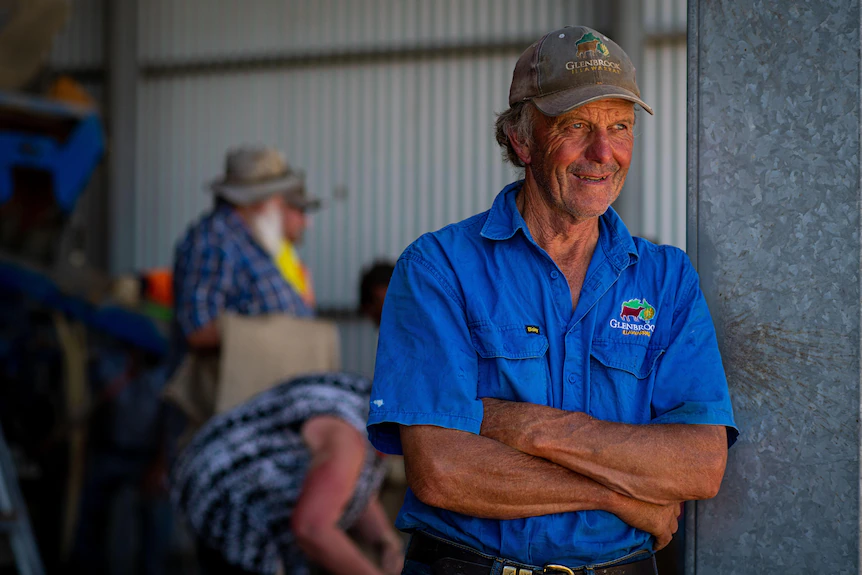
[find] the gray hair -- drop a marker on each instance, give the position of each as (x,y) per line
(517,121)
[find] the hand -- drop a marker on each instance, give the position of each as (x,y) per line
(661,521)
(391,554)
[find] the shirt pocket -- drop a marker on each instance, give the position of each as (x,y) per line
(622,377)
(513,364)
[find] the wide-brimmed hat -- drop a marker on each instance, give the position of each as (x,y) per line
(571,67)
(253,174)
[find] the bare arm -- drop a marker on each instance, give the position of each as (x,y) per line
(375,529)
(659,464)
(470,474)
(338,453)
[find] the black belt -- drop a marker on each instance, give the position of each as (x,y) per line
(450,559)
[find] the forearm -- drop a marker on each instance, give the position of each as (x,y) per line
(373,526)
(659,464)
(332,549)
(476,476)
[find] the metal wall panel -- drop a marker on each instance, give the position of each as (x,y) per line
(775,198)
(396,149)
(206,29)
(80,44)
(662,79)
(664,16)
(663,84)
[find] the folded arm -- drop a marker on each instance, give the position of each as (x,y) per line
(473,475)
(661,464)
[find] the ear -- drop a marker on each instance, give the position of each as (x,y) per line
(522,149)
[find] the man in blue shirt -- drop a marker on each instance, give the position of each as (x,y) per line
(553,383)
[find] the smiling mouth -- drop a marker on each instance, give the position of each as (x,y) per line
(591,178)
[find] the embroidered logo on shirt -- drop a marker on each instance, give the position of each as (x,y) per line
(378,402)
(532,329)
(637,316)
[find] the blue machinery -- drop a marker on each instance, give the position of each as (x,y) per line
(61,140)
(64,143)
(48,152)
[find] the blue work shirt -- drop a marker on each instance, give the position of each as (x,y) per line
(478,309)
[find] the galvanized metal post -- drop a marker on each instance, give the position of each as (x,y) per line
(122,143)
(774,202)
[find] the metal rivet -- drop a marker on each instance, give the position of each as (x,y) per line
(509,571)
(562,35)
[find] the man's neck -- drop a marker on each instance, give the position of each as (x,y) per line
(565,238)
(569,241)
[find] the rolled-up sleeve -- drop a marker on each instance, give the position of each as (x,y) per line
(691,386)
(203,276)
(426,371)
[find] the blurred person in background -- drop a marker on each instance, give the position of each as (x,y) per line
(372,289)
(241,256)
(280,478)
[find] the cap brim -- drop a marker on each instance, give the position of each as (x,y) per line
(247,194)
(564,101)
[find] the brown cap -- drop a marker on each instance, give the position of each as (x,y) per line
(570,67)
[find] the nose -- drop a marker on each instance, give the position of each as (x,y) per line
(599,148)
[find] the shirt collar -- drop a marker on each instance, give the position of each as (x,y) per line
(504,220)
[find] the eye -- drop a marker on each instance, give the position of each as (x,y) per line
(621,127)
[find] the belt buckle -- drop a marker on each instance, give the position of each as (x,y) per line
(557,569)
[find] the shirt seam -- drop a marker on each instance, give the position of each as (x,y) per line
(437,276)
(450,415)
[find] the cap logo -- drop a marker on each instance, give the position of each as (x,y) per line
(592,57)
(591,46)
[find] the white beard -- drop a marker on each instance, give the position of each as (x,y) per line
(267,230)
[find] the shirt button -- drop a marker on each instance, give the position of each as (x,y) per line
(572,378)
(554,274)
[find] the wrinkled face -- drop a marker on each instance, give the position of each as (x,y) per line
(579,160)
(294,222)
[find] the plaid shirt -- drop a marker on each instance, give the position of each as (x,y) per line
(220,267)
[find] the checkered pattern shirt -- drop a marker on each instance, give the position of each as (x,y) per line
(220,267)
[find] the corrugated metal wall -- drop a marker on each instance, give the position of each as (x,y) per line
(663,84)
(81,43)
(408,142)
(398,140)
(174,30)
